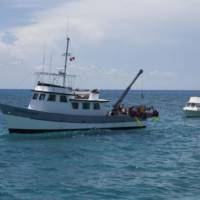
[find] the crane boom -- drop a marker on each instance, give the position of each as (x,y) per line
(123,95)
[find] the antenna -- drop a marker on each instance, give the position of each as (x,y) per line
(50,61)
(142,89)
(66,58)
(43,58)
(67,25)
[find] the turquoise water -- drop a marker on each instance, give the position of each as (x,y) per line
(159,162)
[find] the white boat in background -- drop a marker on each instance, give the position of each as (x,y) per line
(192,108)
(56,106)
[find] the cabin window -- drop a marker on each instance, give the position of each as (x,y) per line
(75,105)
(63,98)
(35,96)
(42,97)
(52,97)
(86,106)
(96,106)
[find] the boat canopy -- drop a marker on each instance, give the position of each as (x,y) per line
(195,100)
(55,79)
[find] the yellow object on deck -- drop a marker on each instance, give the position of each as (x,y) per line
(156,119)
(139,123)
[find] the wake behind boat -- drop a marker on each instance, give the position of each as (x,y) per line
(56,106)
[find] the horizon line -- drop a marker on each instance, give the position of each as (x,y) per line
(117,89)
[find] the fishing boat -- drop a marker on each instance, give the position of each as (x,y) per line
(57,106)
(192,108)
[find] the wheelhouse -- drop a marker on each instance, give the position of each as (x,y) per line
(53,97)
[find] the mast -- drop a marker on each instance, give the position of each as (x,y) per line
(66,58)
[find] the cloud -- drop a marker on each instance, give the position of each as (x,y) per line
(8,38)
(162,74)
(94,20)
(107,76)
(154,73)
(93,23)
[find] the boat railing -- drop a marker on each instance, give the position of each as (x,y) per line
(56,79)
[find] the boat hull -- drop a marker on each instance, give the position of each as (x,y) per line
(191,113)
(20,120)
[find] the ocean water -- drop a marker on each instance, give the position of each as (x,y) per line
(156,163)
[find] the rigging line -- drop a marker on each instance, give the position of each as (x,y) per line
(43,58)
(50,65)
(142,88)
(50,61)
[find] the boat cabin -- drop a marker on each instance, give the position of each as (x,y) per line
(194,102)
(54,98)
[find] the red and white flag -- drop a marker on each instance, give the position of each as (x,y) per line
(72,59)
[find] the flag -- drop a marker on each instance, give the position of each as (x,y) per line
(71,59)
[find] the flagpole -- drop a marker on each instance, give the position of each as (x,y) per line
(66,58)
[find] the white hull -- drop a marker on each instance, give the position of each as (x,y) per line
(23,124)
(192,108)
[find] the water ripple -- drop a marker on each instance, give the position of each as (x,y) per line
(159,162)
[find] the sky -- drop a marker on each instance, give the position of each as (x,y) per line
(110,39)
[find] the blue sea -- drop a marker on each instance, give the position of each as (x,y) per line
(161,162)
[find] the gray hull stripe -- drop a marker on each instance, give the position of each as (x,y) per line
(39,115)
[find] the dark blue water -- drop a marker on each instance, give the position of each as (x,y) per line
(159,162)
